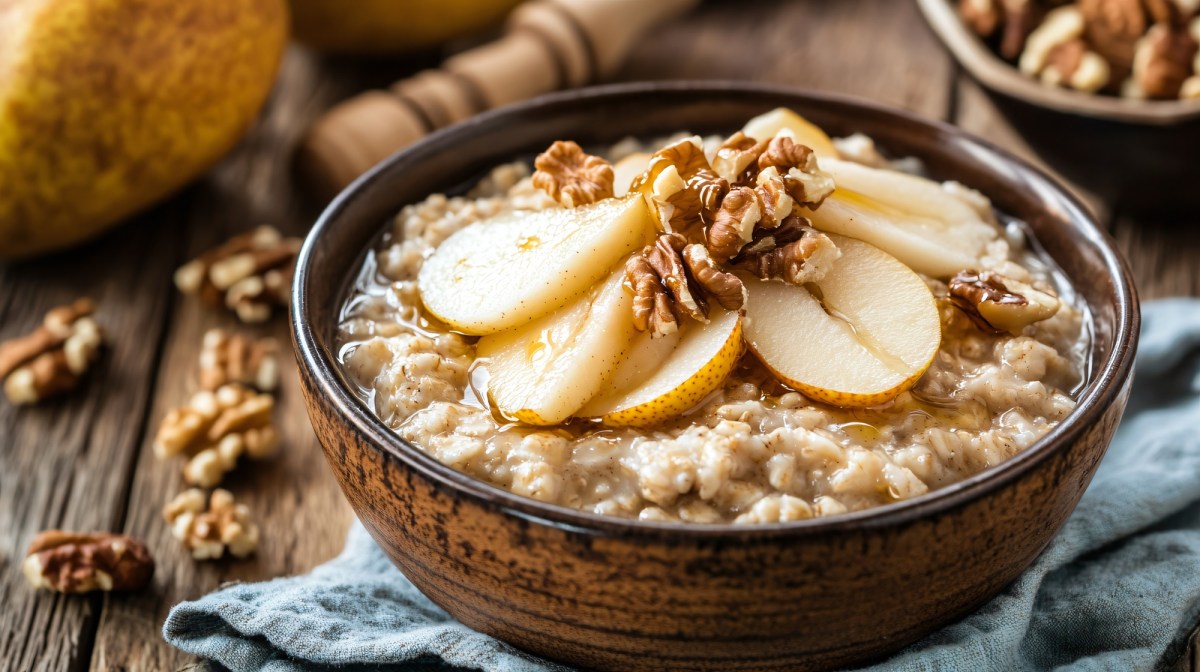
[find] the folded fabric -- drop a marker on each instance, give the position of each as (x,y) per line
(1117,589)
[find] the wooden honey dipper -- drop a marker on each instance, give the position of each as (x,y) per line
(548,45)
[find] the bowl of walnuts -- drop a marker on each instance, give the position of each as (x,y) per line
(1107,91)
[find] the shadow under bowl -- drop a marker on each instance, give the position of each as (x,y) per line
(623,594)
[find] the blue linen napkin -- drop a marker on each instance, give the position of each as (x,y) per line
(1117,589)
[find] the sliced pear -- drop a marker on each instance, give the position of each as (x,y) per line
(803,131)
(910,217)
(628,168)
(865,333)
(698,365)
(644,357)
(543,372)
(511,269)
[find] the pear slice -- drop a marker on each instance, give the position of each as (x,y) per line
(910,217)
(627,169)
(865,333)
(543,372)
(782,120)
(698,365)
(514,268)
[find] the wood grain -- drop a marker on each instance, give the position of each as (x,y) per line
(832,46)
(84,462)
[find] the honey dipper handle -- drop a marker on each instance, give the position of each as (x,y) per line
(548,45)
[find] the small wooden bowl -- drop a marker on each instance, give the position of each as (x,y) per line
(622,594)
(1142,152)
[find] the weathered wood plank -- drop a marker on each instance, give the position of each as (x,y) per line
(1162,255)
(66,463)
(293,498)
(882,51)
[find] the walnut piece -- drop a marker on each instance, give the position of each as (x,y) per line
(651,303)
(666,258)
(726,288)
(795,253)
(733,225)
(225,525)
(250,274)
(1073,64)
(54,357)
(1113,28)
(998,304)
(236,358)
(571,176)
(214,429)
(981,16)
(737,156)
(803,179)
(682,186)
(75,562)
(1163,61)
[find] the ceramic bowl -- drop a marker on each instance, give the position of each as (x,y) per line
(1131,152)
(620,594)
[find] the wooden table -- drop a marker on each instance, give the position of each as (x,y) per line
(85,462)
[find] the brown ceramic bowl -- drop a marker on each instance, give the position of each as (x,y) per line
(627,595)
(1132,151)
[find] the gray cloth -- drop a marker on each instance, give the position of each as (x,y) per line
(1117,589)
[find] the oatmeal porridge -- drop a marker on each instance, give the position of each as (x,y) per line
(762,328)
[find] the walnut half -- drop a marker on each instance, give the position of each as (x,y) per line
(998,304)
(572,176)
(77,562)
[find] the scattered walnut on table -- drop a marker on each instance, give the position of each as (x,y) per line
(54,357)
(571,176)
(237,358)
(999,304)
(225,525)
(75,562)
(250,274)
(214,429)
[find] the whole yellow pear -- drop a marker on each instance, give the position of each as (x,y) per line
(391,26)
(106,106)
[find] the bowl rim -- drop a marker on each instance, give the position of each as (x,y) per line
(999,75)
(1110,376)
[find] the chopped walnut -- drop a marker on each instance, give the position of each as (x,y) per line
(1073,64)
(250,274)
(795,253)
(215,429)
(726,288)
(998,304)
(53,358)
(571,176)
(733,225)
(1163,61)
(773,198)
(75,562)
(666,258)
(981,16)
(682,186)
(235,358)
(797,164)
(651,303)
(737,156)
(1113,28)
(226,525)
